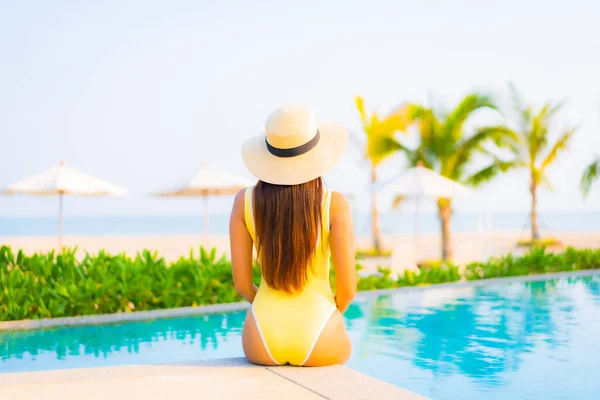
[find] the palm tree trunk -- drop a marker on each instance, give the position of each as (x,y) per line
(535,233)
(375,212)
(444,213)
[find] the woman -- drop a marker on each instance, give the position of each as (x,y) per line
(295,224)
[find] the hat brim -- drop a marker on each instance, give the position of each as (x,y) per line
(300,169)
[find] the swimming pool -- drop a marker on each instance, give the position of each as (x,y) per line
(509,340)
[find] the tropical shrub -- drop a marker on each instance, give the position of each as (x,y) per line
(50,285)
(537,261)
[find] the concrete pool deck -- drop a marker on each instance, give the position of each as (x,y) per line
(212,379)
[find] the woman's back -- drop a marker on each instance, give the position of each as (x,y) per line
(318,266)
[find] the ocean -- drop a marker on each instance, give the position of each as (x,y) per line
(391,223)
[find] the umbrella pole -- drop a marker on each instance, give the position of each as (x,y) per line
(416,240)
(60,222)
(206,218)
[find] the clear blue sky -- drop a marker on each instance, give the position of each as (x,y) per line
(142,92)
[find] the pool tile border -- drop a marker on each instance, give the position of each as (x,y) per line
(27,324)
(31,324)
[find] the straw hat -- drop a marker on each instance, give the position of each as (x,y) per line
(295,149)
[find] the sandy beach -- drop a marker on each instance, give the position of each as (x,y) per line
(467,246)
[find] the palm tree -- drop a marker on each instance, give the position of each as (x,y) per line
(446,148)
(533,149)
(380,144)
(591,173)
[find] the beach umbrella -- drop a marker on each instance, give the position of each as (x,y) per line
(420,183)
(61,180)
(208,182)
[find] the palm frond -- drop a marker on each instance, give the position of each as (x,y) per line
(517,101)
(502,136)
(397,201)
(537,136)
(543,180)
(360,106)
(590,174)
(561,144)
(373,125)
(419,156)
(536,174)
(406,115)
(491,171)
(555,108)
(380,148)
(429,132)
(471,103)
(381,141)
(411,112)
(428,127)
(394,123)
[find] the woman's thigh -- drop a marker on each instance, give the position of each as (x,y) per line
(254,348)
(333,345)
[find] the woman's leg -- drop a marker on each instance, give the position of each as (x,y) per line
(254,348)
(333,345)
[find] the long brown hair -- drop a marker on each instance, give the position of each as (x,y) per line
(288,225)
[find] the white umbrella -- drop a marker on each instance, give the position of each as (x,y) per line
(207,182)
(420,182)
(61,180)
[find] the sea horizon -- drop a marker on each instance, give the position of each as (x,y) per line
(391,223)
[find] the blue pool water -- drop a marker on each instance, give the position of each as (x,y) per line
(527,340)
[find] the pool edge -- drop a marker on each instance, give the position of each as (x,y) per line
(32,324)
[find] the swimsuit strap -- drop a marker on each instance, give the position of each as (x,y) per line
(249,213)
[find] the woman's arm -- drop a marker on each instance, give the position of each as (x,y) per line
(342,250)
(241,250)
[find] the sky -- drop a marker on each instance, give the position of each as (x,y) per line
(143,93)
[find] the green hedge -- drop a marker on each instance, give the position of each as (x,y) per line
(536,261)
(50,285)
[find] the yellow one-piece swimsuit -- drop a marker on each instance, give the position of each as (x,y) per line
(290,324)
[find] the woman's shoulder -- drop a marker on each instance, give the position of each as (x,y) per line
(339,205)
(240,197)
